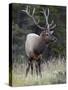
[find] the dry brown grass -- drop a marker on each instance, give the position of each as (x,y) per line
(54,73)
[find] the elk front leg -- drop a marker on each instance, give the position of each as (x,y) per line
(39,67)
(36,66)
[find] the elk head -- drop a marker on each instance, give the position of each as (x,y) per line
(47,31)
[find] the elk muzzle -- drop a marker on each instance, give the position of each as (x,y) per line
(53,39)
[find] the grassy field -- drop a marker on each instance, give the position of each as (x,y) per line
(54,73)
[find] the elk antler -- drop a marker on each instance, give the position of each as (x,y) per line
(46,18)
(52,25)
(27,11)
(49,26)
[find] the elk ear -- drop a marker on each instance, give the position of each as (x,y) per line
(51,32)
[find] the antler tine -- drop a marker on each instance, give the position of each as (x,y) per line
(26,8)
(44,12)
(53,26)
(52,22)
(28,11)
(46,16)
(33,12)
(48,12)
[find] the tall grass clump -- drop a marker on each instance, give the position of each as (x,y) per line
(52,73)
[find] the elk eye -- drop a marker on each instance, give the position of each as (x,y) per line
(46,34)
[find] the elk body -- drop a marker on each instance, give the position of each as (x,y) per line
(35,44)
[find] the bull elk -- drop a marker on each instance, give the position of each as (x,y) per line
(35,44)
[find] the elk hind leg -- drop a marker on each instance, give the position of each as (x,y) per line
(31,63)
(28,67)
